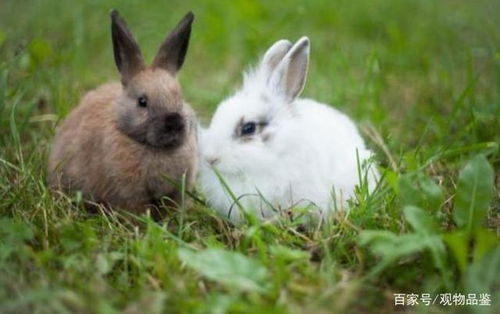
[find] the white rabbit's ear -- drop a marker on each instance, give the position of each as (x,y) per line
(289,76)
(274,55)
(260,76)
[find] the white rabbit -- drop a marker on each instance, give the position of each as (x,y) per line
(274,151)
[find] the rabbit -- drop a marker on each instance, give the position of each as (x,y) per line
(124,139)
(267,151)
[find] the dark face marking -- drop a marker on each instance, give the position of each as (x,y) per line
(266,137)
(247,130)
(164,131)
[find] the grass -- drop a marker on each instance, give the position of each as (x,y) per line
(422,78)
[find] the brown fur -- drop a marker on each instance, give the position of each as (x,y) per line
(94,152)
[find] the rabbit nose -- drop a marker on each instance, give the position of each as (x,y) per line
(174,123)
(212,160)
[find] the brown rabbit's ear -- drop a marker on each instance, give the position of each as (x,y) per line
(127,53)
(171,54)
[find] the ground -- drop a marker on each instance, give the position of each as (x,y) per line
(421,78)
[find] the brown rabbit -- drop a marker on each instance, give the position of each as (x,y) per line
(122,140)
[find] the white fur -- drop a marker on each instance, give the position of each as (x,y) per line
(310,151)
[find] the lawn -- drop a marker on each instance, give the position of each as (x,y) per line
(421,78)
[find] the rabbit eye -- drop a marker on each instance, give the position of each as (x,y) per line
(142,101)
(248,128)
